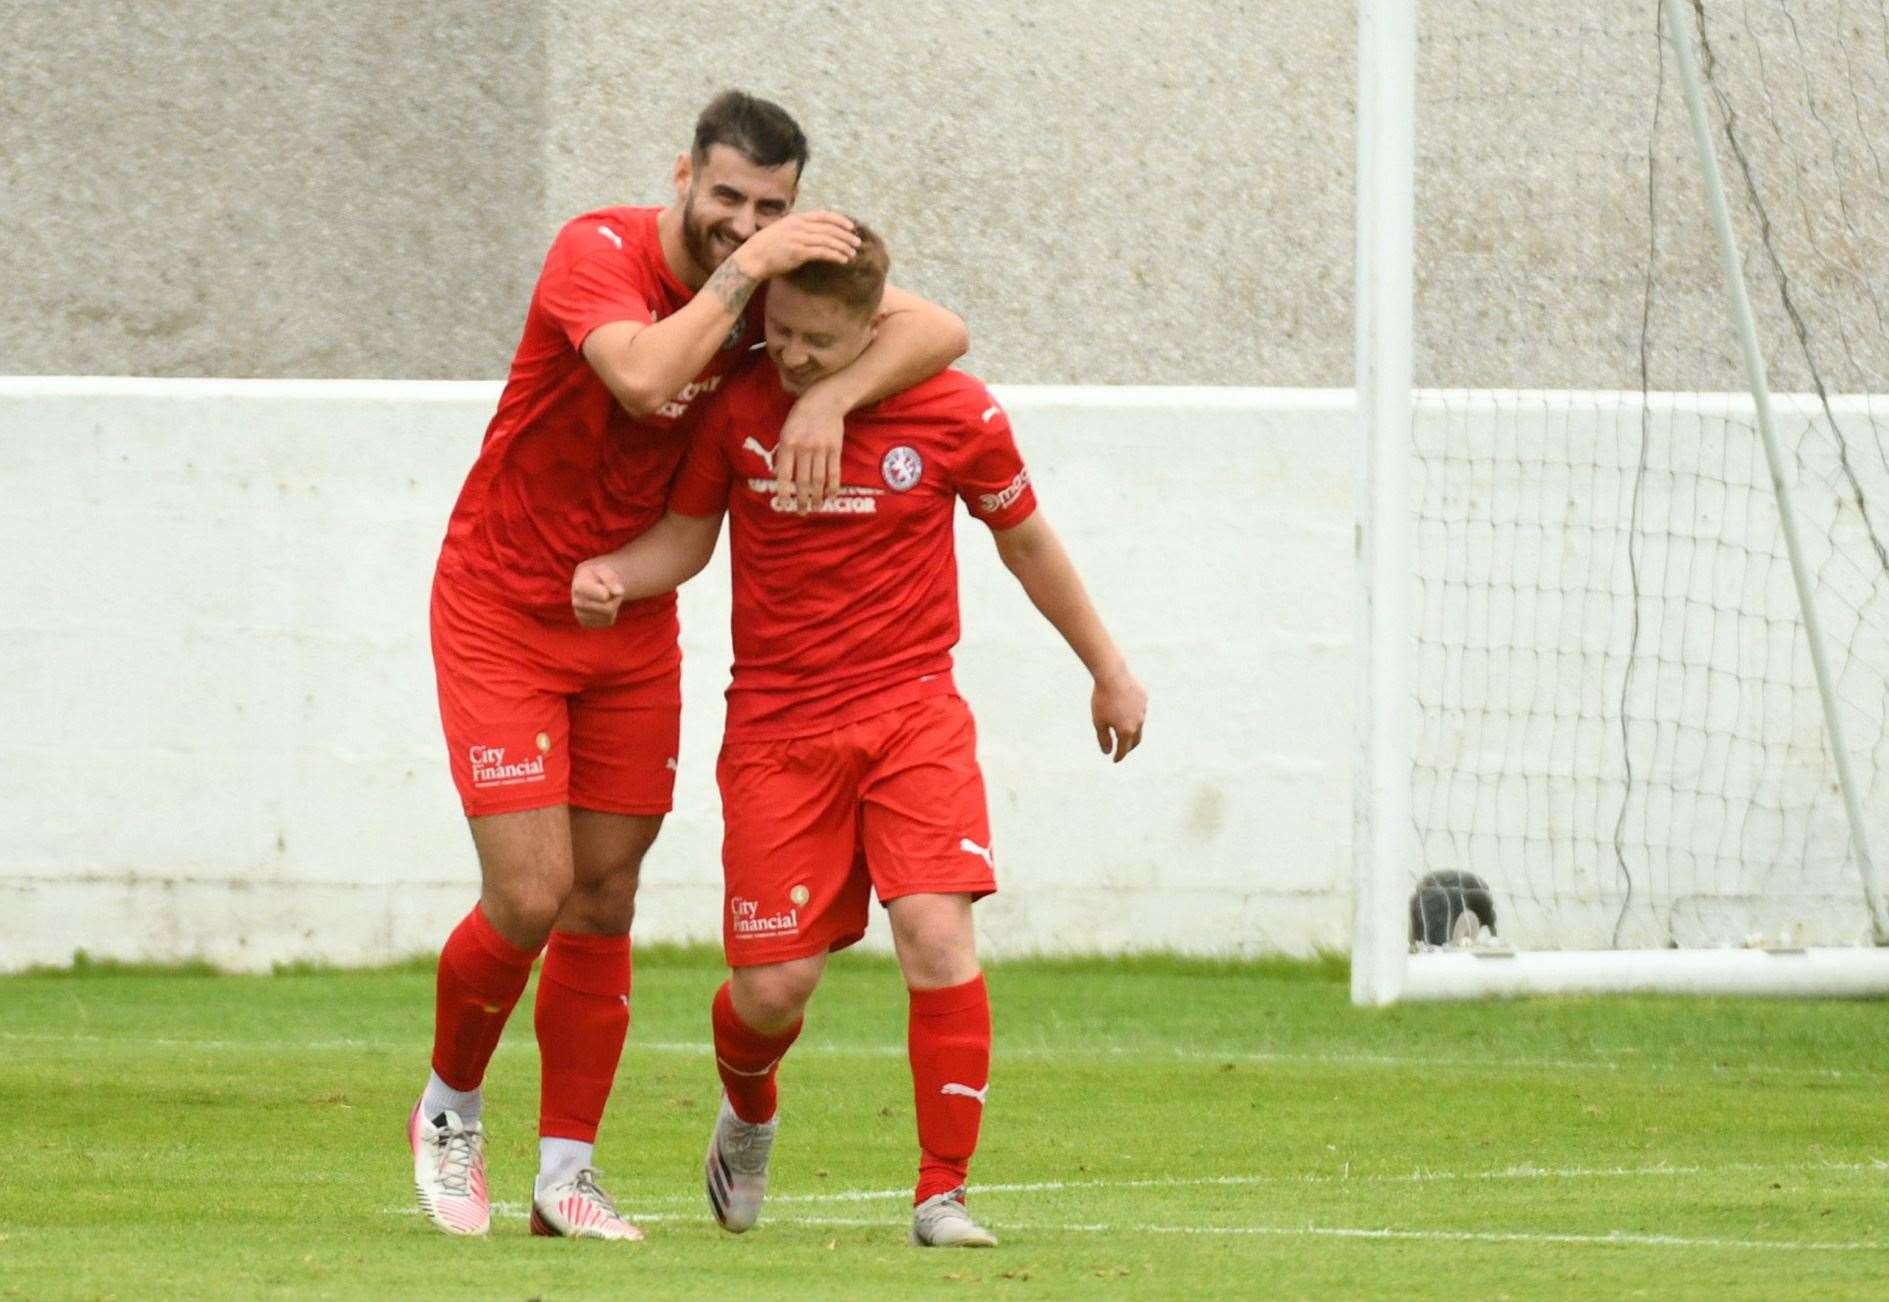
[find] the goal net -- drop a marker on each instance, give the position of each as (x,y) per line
(1614,721)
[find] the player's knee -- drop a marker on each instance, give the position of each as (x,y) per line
(771,999)
(606,907)
(523,911)
(944,963)
(937,959)
(935,942)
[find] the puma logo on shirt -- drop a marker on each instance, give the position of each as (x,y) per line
(766,454)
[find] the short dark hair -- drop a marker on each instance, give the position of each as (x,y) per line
(764,132)
(860,284)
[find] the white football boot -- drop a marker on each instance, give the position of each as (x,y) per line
(449,1172)
(942,1222)
(736,1168)
(577,1209)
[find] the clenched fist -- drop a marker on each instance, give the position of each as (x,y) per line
(596,592)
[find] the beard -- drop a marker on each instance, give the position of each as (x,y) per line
(698,237)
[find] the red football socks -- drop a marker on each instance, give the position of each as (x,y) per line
(948,1038)
(583,1015)
(748,1061)
(481,975)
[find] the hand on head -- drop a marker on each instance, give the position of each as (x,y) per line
(780,246)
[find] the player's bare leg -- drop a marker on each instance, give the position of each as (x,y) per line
(525,868)
(935,940)
(948,1039)
(772,998)
(582,1018)
(525,871)
(756,1017)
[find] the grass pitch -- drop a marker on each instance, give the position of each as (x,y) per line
(1156,1128)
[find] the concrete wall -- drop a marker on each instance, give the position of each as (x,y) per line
(221,737)
(258,187)
(1112,191)
(1116,192)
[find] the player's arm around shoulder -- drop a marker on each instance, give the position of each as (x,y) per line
(1118,706)
(645,365)
(661,558)
(913,340)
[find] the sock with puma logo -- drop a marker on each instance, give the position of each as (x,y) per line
(948,1039)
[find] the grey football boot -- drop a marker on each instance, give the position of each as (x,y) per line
(941,1221)
(736,1168)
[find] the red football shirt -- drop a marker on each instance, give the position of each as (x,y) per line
(851,610)
(565,473)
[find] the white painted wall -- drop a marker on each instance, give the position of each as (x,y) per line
(218,734)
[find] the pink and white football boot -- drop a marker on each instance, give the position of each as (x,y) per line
(577,1209)
(449,1172)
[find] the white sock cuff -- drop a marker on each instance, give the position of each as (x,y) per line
(441,1097)
(560,1159)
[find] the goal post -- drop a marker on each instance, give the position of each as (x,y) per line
(1381,799)
(1598,705)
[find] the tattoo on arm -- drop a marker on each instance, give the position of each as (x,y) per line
(732,285)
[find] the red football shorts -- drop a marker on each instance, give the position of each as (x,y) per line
(814,826)
(539,713)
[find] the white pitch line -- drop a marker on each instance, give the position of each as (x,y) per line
(162,1042)
(1616,1239)
(1142,1053)
(1613,1240)
(1345,1178)
(1413,1177)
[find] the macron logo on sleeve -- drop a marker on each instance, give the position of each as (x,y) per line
(991,503)
(610,235)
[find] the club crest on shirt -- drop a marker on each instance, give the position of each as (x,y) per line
(735,332)
(902,467)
